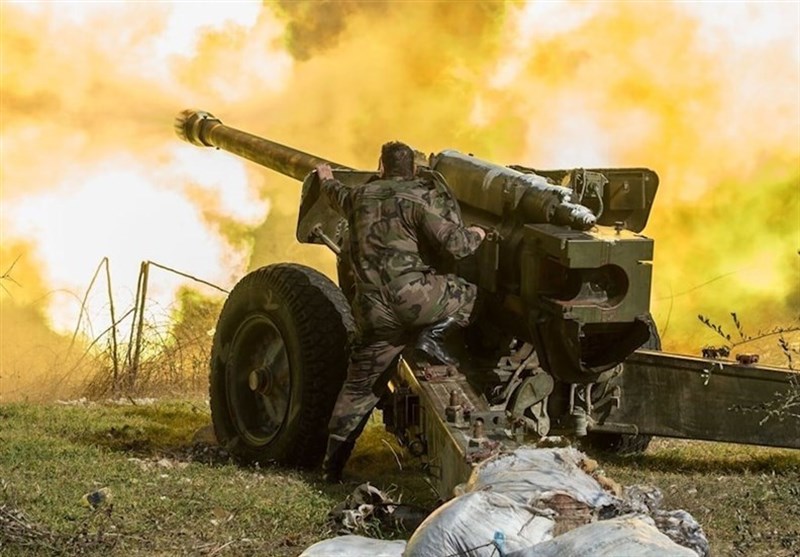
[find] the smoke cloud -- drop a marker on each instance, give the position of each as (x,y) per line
(708,95)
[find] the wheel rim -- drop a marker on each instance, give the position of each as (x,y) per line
(258,381)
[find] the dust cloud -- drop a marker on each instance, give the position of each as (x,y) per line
(708,95)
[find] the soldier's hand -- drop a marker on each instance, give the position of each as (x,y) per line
(481,232)
(324,172)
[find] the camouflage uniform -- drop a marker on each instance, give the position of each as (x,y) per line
(393,222)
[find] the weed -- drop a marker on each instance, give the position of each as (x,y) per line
(787,351)
(786,404)
(172,358)
(6,276)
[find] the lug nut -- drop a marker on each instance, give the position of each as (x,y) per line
(477,429)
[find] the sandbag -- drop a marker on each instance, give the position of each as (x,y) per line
(616,537)
(350,546)
(527,473)
(477,524)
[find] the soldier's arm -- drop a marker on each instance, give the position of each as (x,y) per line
(338,194)
(440,195)
(452,237)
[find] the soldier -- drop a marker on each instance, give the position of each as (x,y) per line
(393,218)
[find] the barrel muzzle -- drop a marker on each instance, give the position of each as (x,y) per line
(189,126)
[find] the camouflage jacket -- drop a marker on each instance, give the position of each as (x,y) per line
(394,222)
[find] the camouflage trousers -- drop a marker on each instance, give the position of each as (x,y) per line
(387,320)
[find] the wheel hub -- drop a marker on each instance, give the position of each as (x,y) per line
(260,381)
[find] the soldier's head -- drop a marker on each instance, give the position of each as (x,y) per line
(397,160)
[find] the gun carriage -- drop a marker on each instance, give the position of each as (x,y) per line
(567,346)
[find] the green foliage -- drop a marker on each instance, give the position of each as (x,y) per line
(194,314)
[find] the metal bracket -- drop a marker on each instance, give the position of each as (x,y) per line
(529,402)
(581,408)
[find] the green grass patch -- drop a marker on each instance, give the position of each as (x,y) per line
(167,497)
(746,498)
(170,497)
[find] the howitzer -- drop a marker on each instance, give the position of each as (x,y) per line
(581,290)
(565,263)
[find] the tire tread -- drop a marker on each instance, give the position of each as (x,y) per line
(323,324)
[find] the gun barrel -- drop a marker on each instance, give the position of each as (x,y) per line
(205,130)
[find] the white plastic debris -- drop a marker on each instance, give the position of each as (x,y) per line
(678,525)
(368,507)
(642,499)
(528,473)
(480,523)
(349,546)
(616,537)
(365,504)
(681,527)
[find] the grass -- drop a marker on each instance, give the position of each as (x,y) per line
(746,498)
(168,497)
(172,497)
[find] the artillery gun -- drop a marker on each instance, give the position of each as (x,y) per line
(569,345)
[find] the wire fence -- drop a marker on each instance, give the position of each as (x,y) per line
(148,349)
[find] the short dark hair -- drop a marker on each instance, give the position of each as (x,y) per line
(397,159)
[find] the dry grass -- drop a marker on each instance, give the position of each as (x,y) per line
(173,355)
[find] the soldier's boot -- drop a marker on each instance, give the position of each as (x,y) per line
(431,341)
(336,456)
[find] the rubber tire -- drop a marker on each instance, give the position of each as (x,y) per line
(624,443)
(315,323)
